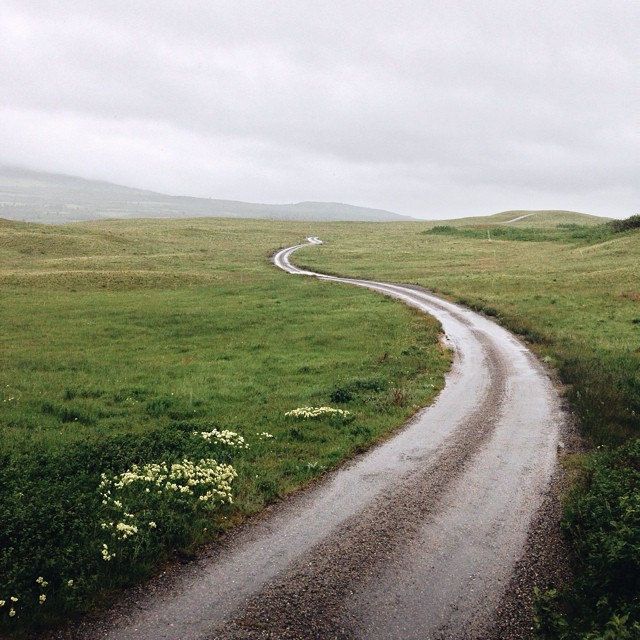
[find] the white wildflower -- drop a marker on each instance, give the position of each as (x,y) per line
(125,530)
(225,437)
(106,555)
(306,413)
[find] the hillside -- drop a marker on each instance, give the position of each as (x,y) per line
(529,218)
(36,196)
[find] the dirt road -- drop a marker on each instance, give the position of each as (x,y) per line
(415,539)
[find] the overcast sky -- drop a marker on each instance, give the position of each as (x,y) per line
(431,108)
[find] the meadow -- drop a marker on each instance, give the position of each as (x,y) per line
(573,292)
(145,372)
(147,342)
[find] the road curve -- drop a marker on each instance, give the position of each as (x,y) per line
(416,539)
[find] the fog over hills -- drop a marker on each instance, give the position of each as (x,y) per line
(35,196)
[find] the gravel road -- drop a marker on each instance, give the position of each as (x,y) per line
(417,538)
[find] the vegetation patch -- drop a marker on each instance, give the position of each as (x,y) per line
(561,233)
(603,521)
(138,422)
(632,222)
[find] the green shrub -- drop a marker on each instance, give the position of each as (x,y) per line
(57,517)
(632,222)
(603,522)
(341,395)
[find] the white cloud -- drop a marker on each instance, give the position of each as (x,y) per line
(423,107)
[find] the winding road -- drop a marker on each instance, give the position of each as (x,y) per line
(415,539)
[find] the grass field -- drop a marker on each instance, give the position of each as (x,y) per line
(574,293)
(123,341)
(122,338)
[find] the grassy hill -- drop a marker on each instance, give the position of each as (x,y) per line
(121,338)
(52,198)
(543,219)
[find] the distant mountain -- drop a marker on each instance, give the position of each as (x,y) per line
(36,196)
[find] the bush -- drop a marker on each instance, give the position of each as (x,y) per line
(341,395)
(603,521)
(632,222)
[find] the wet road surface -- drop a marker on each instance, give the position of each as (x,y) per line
(417,538)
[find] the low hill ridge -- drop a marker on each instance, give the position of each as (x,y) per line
(35,196)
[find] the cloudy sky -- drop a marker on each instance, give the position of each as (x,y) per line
(431,108)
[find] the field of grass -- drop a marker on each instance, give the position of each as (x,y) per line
(574,294)
(122,342)
(121,339)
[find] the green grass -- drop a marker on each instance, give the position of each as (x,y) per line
(574,293)
(578,301)
(568,233)
(120,339)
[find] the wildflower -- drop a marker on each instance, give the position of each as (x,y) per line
(69,583)
(125,530)
(106,556)
(42,598)
(264,435)
(13,599)
(2,603)
(42,582)
(226,437)
(317,412)
(12,612)
(152,525)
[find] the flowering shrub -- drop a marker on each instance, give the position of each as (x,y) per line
(117,506)
(138,498)
(309,413)
(10,609)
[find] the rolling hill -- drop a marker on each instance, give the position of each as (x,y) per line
(35,196)
(529,218)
